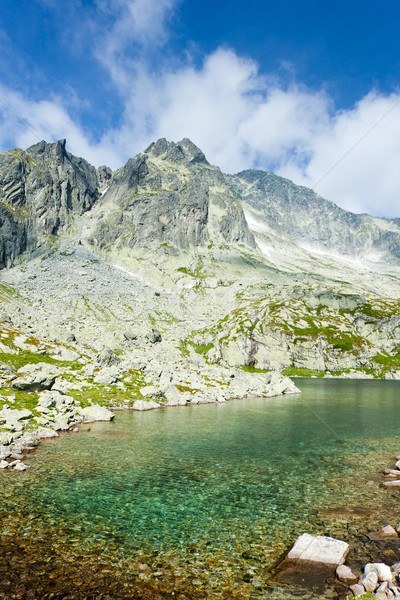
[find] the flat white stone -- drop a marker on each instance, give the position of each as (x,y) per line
(319,549)
(395,483)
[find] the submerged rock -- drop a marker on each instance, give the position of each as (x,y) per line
(319,549)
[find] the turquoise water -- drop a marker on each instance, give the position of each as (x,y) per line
(213,489)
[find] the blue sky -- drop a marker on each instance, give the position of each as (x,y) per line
(309,90)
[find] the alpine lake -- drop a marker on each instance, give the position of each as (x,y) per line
(203,501)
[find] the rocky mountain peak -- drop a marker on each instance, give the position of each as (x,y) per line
(42,191)
(44,150)
(183,151)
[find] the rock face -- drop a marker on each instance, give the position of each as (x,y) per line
(42,191)
(169,195)
(299,215)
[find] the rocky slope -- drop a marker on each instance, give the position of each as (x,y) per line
(185,272)
(277,208)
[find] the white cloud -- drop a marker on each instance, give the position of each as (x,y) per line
(26,122)
(139,28)
(355,157)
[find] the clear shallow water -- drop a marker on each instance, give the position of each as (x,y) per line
(213,491)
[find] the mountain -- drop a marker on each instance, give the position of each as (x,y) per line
(246,270)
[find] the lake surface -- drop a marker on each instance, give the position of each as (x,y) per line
(206,498)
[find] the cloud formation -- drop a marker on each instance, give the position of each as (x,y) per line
(239,117)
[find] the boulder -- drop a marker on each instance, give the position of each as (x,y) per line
(6,438)
(370,581)
(66,355)
(107,375)
(173,397)
(11,414)
(280,384)
(151,391)
(35,377)
(130,336)
(345,574)
(388,531)
(154,336)
(3,464)
(20,466)
(145,405)
(96,413)
(391,473)
(382,571)
(319,549)
(107,358)
(389,484)
(46,433)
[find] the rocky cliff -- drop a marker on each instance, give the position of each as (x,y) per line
(42,191)
(277,207)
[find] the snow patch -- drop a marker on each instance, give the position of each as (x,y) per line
(134,275)
(254,224)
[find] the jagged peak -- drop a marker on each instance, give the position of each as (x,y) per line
(177,151)
(58,148)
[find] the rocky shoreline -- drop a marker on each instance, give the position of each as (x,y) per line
(53,410)
(325,561)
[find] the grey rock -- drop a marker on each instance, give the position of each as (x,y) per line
(20,466)
(46,433)
(151,391)
(107,375)
(6,438)
(357,589)
(154,336)
(107,358)
(173,397)
(145,405)
(130,335)
(34,382)
(390,484)
(388,531)
(96,413)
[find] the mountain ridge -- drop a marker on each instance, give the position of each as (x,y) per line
(249,269)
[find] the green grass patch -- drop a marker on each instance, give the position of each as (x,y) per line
(250,369)
(302,372)
(186,388)
(16,361)
(387,360)
(112,395)
(23,399)
(201,348)
(183,348)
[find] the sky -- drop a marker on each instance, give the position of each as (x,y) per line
(309,90)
